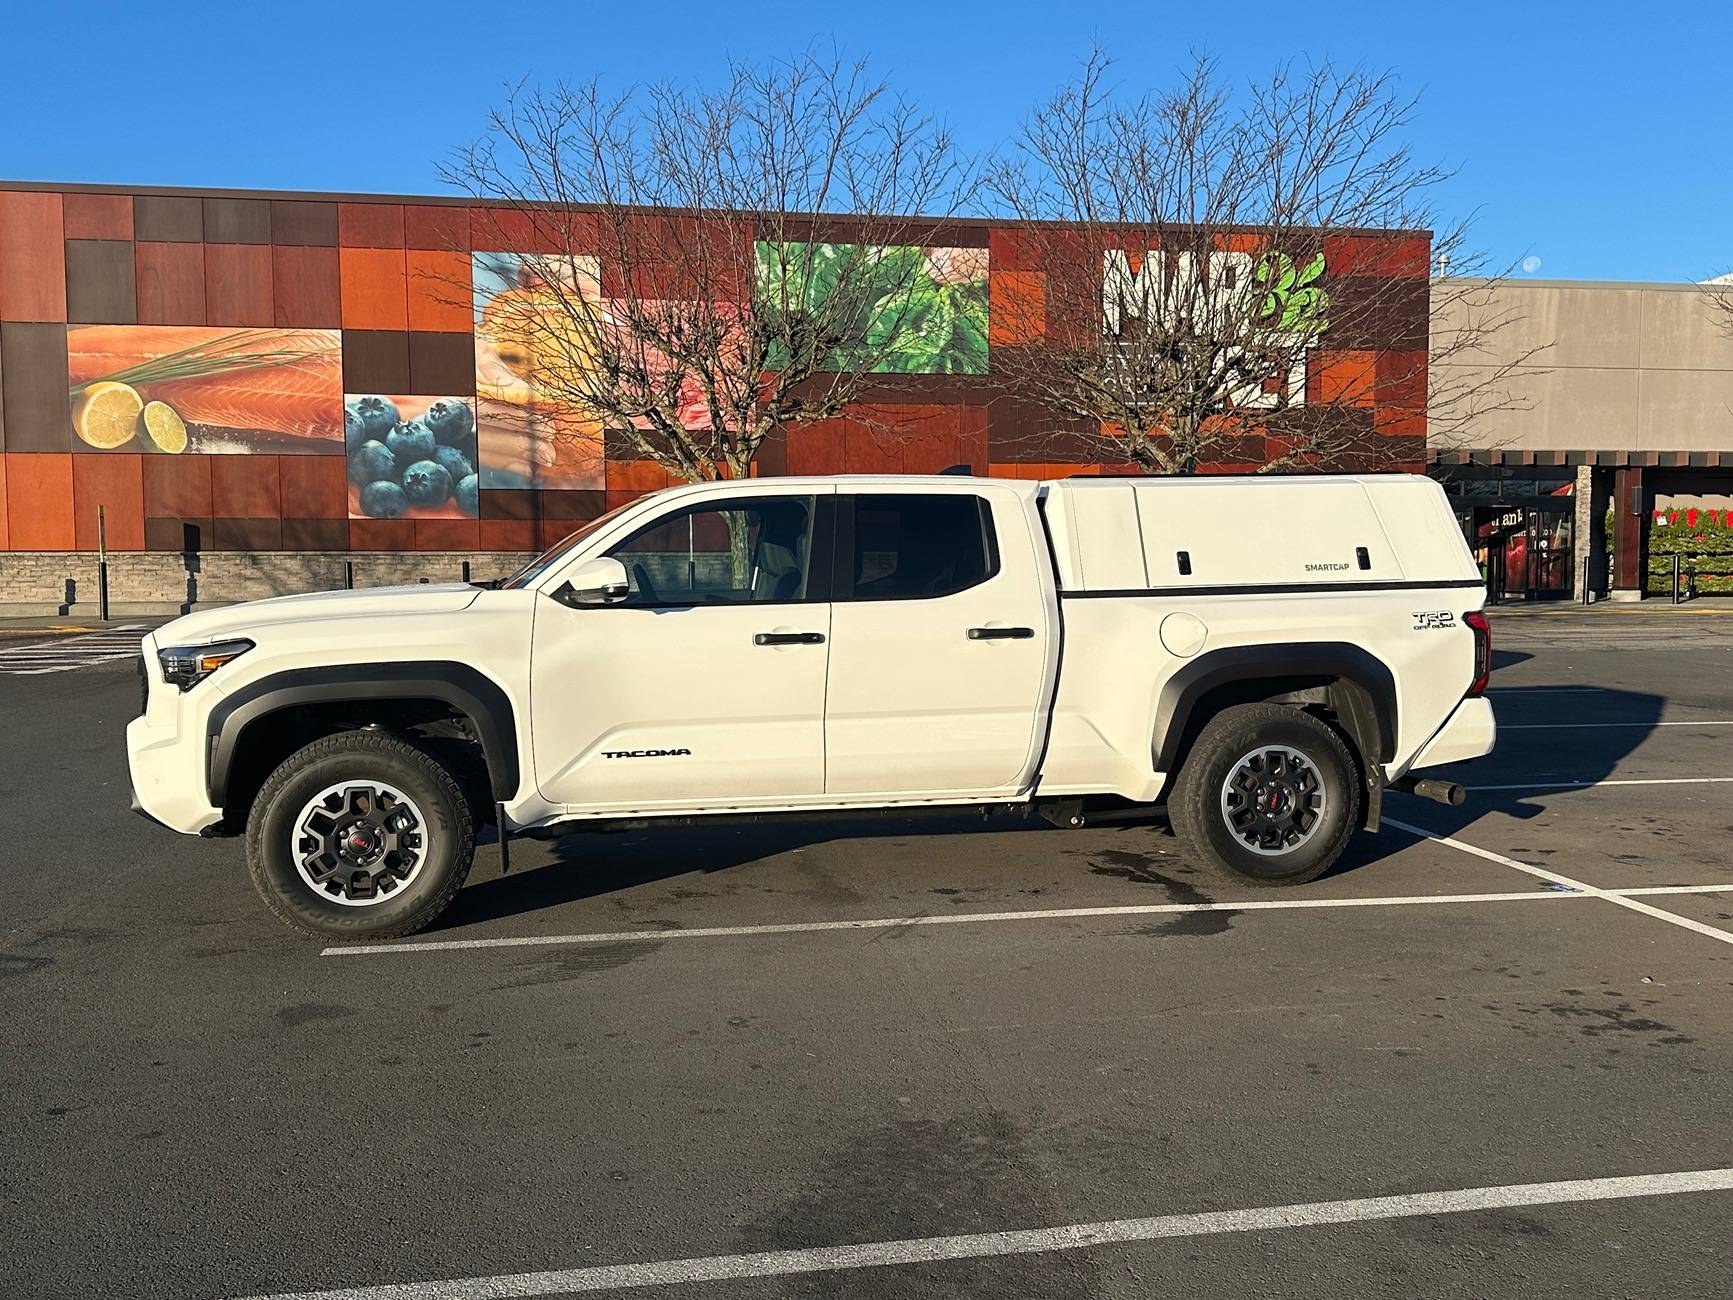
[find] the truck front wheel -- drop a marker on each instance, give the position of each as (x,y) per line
(1269,793)
(359,835)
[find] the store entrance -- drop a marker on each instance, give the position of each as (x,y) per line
(1525,552)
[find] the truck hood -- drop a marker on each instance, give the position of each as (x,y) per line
(316,606)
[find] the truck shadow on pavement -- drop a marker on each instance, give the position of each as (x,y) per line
(1513,780)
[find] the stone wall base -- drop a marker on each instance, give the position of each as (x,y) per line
(170,582)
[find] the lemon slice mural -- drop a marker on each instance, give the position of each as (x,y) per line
(162,429)
(106,415)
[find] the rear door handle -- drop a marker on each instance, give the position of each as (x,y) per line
(1001,633)
(788,638)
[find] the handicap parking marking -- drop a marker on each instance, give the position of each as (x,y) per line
(1619,897)
(110,645)
(1034,1241)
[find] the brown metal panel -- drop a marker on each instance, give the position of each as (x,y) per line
(316,534)
(32,257)
(101,288)
(246,534)
(370,225)
(441,364)
(171,283)
(38,408)
(305,284)
(179,533)
(294,221)
(376,361)
(169,220)
(238,284)
(237,221)
(98,216)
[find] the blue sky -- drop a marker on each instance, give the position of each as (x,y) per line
(1591,137)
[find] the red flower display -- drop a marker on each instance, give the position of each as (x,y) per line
(1691,517)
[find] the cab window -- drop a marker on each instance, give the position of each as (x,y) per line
(730,553)
(916,546)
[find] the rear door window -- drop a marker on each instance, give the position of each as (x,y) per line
(916,546)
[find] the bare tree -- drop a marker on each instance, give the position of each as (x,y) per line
(1171,287)
(708,267)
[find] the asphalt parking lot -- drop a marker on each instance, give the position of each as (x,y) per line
(904,1059)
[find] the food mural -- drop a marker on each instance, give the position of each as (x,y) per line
(411,457)
(175,388)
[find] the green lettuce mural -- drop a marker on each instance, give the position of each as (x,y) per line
(885,309)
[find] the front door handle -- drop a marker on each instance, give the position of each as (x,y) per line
(788,638)
(1001,633)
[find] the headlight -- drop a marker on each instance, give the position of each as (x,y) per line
(188,665)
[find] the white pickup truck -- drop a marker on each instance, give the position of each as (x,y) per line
(1263,655)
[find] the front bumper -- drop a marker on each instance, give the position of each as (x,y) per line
(165,758)
(1469,732)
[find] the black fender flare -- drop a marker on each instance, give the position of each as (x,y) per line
(1367,710)
(472,693)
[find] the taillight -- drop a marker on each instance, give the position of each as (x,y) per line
(1482,649)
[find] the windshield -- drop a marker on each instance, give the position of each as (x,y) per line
(558,551)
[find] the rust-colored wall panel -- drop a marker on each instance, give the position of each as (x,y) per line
(442,363)
(304,223)
(438,227)
(376,361)
(816,448)
(116,484)
(245,487)
(238,284)
(382,534)
(447,534)
(39,502)
(97,216)
(305,287)
(440,292)
(237,221)
(169,219)
(177,487)
(32,257)
(38,409)
(171,283)
(375,296)
(5,536)
(370,225)
(101,288)
(314,487)
(508,535)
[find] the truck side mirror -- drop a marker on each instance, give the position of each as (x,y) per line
(598,581)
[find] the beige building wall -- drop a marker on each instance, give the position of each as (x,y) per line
(1581,366)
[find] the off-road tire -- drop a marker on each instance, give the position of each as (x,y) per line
(1195,806)
(360,756)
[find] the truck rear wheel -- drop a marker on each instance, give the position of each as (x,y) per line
(359,835)
(1268,793)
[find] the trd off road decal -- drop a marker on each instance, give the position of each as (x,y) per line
(1430,620)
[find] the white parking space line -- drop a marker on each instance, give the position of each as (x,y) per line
(110,645)
(1032,1241)
(1578,785)
(1620,897)
(1563,888)
(1571,726)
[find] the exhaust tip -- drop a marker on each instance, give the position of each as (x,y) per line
(1445,792)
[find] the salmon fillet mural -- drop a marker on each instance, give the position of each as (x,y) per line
(174,388)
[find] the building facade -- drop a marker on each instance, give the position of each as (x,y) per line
(1612,449)
(182,374)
